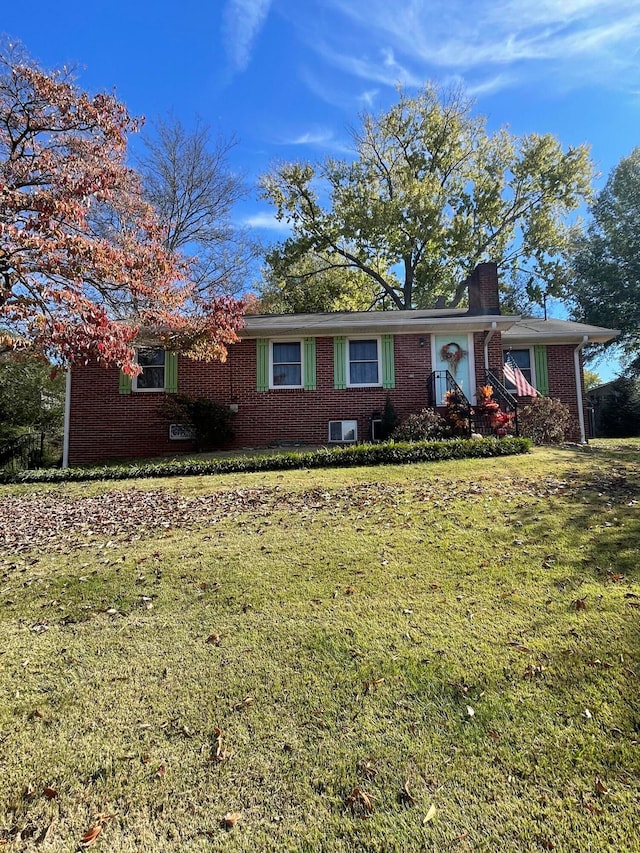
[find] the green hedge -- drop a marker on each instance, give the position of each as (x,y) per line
(338,457)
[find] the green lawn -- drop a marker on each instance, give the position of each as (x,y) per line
(437,657)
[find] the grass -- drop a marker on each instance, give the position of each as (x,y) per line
(359,646)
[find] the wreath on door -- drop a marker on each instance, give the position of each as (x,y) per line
(453,354)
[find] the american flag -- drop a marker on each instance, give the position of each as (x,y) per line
(515,376)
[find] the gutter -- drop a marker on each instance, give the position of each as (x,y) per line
(67,420)
(487,341)
(576,365)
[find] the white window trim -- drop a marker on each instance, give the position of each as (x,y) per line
(532,362)
(273,387)
(134,380)
(378,341)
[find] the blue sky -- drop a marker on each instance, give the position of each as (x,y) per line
(289,78)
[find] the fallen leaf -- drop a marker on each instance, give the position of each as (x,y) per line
(587,713)
(600,786)
(431,813)
(91,835)
(244,703)
(50,793)
(220,753)
(593,809)
(161,772)
(470,711)
(214,639)
(493,735)
(350,590)
(579,603)
(406,794)
(360,802)
(230,819)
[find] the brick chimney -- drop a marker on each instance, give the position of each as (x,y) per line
(483,290)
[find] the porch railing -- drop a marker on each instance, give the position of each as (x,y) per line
(508,404)
(440,384)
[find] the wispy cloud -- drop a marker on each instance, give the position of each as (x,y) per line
(317,137)
(243,20)
(492,43)
(266,221)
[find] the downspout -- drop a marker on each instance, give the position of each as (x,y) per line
(487,341)
(67,420)
(576,365)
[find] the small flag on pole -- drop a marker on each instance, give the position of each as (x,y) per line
(515,376)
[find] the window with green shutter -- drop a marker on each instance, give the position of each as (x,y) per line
(339,363)
(388,362)
(262,364)
(125,384)
(542,369)
(310,381)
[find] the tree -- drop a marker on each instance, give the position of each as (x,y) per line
(605,288)
(430,194)
(30,397)
(83,259)
(187,178)
(591,380)
(315,283)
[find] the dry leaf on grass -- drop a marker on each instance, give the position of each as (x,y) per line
(219,754)
(91,835)
(601,787)
(360,802)
(406,794)
(50,793)
(230,819)
(214,639)
(161,772)
(431,813)
(244,703)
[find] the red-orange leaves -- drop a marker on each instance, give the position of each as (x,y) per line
(81,249)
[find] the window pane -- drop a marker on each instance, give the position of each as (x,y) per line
(150,357)
(151,377)
(287,374)
(363,350)
(288,353)
(522,358)
(363,373)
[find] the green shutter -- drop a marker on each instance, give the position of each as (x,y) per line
(309,364)
(171,372)
(339,363)
(262,364)
(125,384)
(388,362)
(542,371)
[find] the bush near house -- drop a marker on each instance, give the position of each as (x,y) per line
(544,420)
(426,425)
(339,457)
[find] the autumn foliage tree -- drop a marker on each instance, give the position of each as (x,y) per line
(83,259)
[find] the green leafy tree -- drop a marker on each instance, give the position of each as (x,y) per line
(30,397)
(591,379)
(429,194)
(605,288)
(315,283)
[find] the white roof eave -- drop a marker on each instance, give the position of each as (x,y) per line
(376,323)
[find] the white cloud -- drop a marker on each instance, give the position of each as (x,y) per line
(243,20)
(493,43)
(267,221)
(320,137)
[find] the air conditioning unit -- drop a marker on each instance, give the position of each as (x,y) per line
(343,432)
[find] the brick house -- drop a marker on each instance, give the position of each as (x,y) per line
(319,378)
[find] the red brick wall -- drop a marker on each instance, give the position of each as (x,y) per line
(108,425)
(562,384)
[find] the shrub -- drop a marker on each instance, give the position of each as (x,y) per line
(390,419)
(425,425)
(544,420)
(211,421)
(338,457)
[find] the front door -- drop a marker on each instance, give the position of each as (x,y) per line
(453,352)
